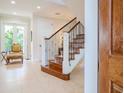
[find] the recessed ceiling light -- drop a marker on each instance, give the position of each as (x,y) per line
(13,2)
(38,7)
(57,14)
(14,13)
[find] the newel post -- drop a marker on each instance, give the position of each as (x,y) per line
(44,53)
(65,53)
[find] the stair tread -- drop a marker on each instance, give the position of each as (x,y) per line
(54,69)
(60,48)
(80,34)
(74,42)
(55,65)
(54,61)
(78,40)
(80,37)
(74,53)
(55,73)
(59,56)
(76,47)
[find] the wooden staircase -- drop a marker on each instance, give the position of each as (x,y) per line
(55,67)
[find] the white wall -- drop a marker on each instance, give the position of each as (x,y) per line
(17,20)
(77,8)
(43,27)
(0,37)
(91,46)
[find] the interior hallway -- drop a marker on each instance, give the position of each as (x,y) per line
(28,78)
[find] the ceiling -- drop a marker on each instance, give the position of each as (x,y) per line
(48,8)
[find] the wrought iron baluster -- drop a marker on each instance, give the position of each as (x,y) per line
(71,44)
(74,43)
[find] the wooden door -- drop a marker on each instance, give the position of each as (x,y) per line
(110,46)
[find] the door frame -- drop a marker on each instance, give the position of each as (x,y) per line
(91,46)
(103,39)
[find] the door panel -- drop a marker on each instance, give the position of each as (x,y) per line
(115,88)
(116,29)
(115,73)
(110,46)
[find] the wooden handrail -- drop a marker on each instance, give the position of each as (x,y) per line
(61,28)
(73,27)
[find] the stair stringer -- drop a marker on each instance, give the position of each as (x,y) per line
(73,63)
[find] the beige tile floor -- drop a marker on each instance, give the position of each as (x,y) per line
(27,78)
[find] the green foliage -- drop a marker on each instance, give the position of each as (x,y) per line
(9,36)
(8,40)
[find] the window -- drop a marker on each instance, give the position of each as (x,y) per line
(13,34)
